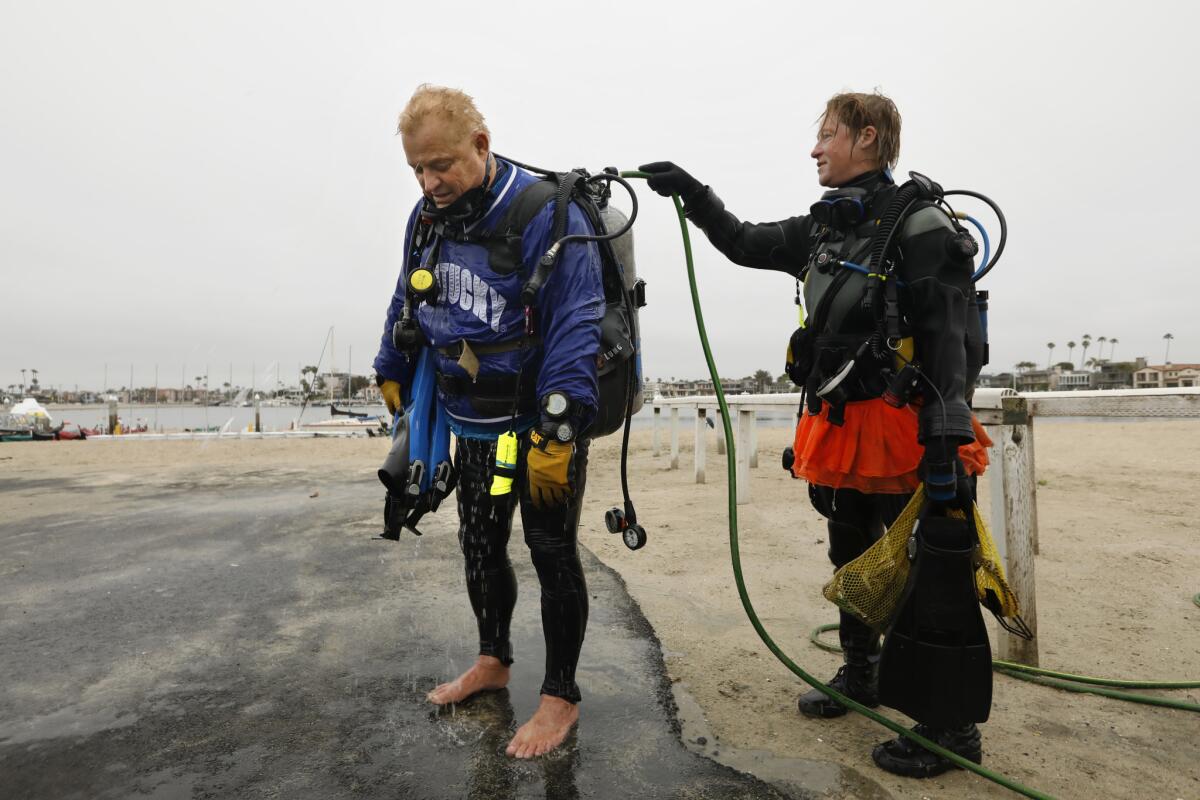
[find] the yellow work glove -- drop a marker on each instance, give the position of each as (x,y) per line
(551,471)
(391,395)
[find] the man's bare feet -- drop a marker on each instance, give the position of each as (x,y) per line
(488,672)
(546,729)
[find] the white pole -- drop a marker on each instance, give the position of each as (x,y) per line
(674,437)
(1013,490)
(701,436)
(745,422)
(754,439)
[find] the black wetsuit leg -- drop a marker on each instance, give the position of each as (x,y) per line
(856,521)
(552,536)
(485,524)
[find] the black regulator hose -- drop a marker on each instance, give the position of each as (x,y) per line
(526,167)
(542,273)
(908,194)
(986,268)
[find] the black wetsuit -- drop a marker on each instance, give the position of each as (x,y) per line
(939,303)
(551,534)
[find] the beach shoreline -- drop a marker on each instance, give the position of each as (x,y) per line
(1115,577)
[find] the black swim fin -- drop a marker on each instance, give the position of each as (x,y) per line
(936,662)
(395,515)
(394,472)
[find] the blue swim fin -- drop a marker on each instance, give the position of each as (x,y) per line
(421,414)
(418,472)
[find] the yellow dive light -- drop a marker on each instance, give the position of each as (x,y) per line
(506,464)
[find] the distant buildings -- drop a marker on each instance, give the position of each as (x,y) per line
(1063,377)
(703,386)
(1166,376)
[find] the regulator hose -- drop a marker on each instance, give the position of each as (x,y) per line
(987,247)
(987,267)
(542,272)
(735,555)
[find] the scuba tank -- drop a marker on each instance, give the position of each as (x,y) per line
(619,362)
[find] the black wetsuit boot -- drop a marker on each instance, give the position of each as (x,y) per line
(856,678)
(901,756)
(856,520)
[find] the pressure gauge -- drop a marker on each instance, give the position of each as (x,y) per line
(565,432)
(556,405)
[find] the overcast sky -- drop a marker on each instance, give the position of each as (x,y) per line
(191,184)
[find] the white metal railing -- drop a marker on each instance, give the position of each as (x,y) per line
(211,435)
(1012,482)
(1180,402)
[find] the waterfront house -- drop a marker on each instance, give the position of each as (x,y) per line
(1166,376)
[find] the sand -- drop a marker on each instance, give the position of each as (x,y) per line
(1118,567)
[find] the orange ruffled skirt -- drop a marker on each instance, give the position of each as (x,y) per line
(875,451)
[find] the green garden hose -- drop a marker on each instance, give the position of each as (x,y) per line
(1064,680)
(731,460)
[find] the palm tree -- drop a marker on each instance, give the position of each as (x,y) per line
(1167,356)
(1070,353)
(1049,357)
(762,380)
(1102,340)
(1112,348)
(1087,341)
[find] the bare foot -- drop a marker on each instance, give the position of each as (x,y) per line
(488,672)
(546,729)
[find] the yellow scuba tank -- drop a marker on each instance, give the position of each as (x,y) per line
(903,354)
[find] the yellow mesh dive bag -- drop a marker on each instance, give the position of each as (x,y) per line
(870,586)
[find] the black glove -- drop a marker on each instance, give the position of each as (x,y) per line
(942,470)
(667,179)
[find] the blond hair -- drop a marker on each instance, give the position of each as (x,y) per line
(455,107)
(857,110)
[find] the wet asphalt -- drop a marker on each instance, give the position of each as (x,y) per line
(254,642)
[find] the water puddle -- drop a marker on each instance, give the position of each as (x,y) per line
(797,777)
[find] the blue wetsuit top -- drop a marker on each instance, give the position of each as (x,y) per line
(477,305)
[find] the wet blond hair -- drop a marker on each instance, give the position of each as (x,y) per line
(857,110)
(454,106)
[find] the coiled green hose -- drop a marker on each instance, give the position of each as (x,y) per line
(1064,680)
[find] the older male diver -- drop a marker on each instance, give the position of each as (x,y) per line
(518,384)
(869,436)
